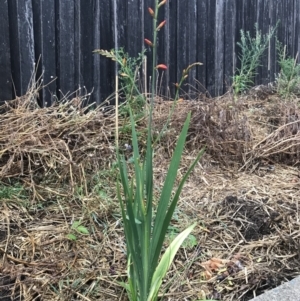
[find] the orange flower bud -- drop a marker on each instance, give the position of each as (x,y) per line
(148,42)
(161,66)
(161,25)
(151,12)
(162,3)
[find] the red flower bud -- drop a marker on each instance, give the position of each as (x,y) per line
(151,12)
(161,66)
(148,42)
(161,25)
(162,3)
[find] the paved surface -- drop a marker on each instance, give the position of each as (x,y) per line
(289,291)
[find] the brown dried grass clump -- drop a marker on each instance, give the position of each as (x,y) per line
(56,145)
(242,194)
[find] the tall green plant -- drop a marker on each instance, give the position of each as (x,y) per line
(145,231)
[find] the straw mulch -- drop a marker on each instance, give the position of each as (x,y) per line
(243,194)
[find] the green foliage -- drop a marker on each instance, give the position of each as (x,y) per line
(144,234)
(128,73)
(14,190)
(189,243)
(252,50)
(288,80)
(77,227)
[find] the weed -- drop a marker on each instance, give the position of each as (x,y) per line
(128,73)
(252,50)
(77,228)
(15,190)
(288,80)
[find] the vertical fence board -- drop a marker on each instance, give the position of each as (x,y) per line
(263,26)
(22,44)
(290,28)
(44,40)
(210,46)
(201,44)
(65,48)
(297,29)
(83,47)
(192,51)
(173,60)
(96,96)
(182,27)
(134,41)
(5,66)
(107,66)
(273,64)
(229,42)
(219,47)
(168,52)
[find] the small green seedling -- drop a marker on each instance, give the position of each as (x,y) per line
(77,227)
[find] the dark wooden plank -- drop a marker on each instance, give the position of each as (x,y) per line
(22,46)
(290,30)
(84,16)
(210,47)
(65,47)
(121,19)
(5,66)
(173,52)
(229,42)
(239,17)
(201,44)
(263,22)
(297,29)
(107,67)
(96,96)
(281,16)
(45,56)
(250,10)
(191,46)
(182,27)
(273,64)
(134,42)
(219,47)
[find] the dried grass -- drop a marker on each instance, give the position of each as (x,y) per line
(243,193)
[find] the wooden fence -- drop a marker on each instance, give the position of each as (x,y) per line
(59,36)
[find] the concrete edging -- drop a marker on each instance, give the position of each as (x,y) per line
(289,291)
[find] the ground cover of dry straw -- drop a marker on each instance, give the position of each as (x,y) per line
(57,166)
